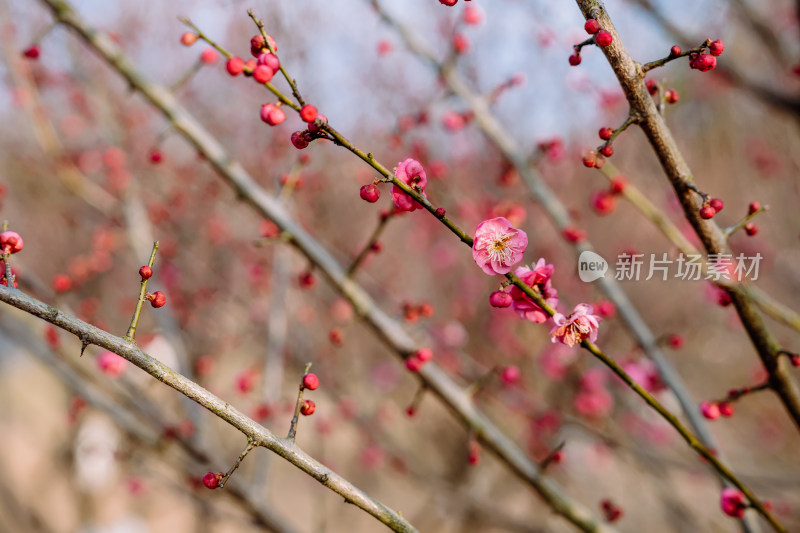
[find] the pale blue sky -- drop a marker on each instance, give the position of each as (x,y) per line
(331,50)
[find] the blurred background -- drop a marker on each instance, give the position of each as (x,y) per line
(91,175)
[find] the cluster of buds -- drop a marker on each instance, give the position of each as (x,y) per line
(301,139)
(670,95)
(605,201)
(611,511)
(710,208)
(412,313)
(417,360)
(262,66)
(600,37)
(713,410)
(705,61)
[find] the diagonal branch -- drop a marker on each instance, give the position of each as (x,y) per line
(222,409)
(17,331)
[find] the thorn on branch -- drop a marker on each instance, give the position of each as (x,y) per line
(84,344)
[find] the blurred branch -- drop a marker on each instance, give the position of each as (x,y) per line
(772,307)
(370,244)
(46,136)
(771,43)
(222,409)
(386,328)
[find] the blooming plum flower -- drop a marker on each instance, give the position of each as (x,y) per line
(579,325)
(498,246)
(412,174)
(538,278)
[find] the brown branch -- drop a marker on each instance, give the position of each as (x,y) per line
(631,80)
(222,409)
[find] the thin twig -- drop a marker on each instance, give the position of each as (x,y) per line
(292,83)
(229,473)
(367,248)
(140,302)
(298,404)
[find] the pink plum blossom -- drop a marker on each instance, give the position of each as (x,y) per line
(453,121)
(412,174)
(555,360)
(498,246)
(111,364)
(594,404)
(645,373)
(579,325)
(538,278)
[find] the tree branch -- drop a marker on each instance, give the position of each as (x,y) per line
(222,409)
(631,80)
